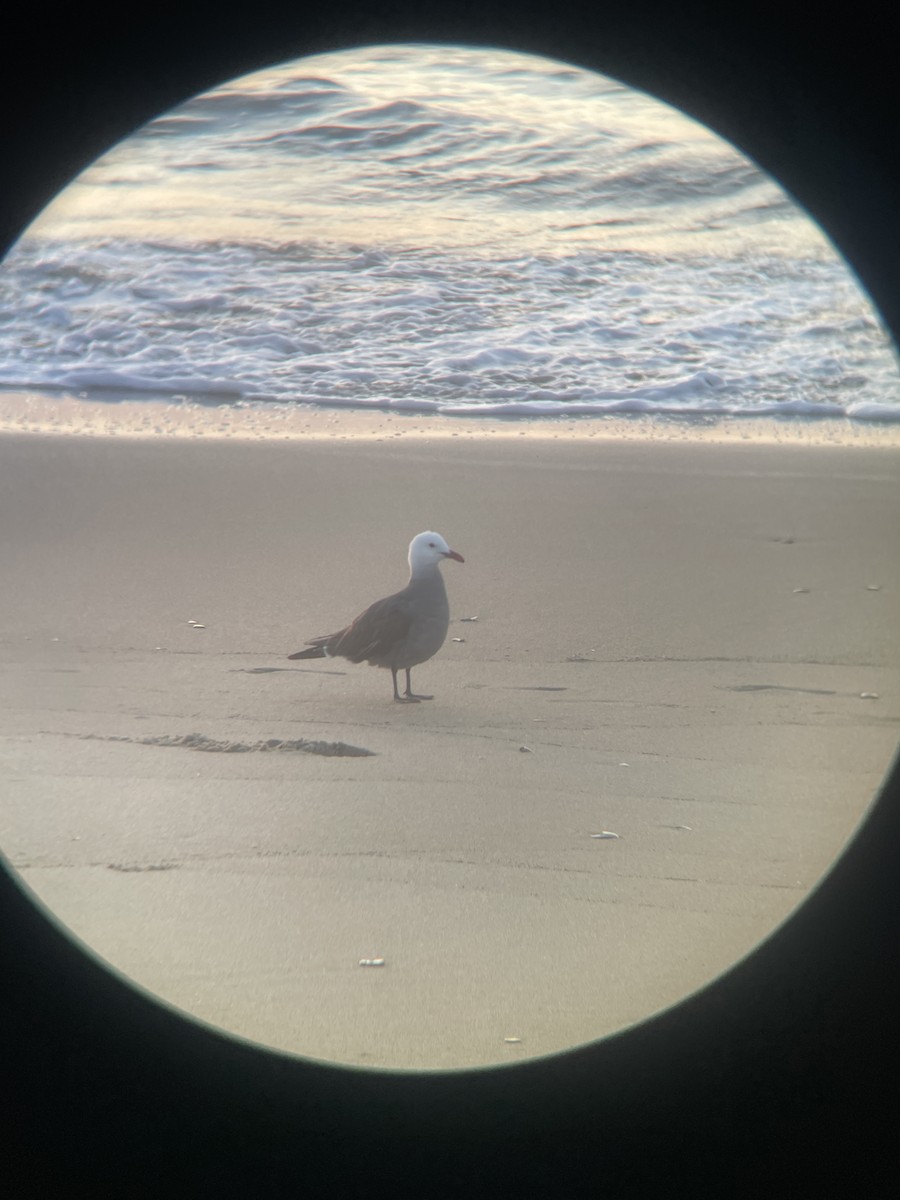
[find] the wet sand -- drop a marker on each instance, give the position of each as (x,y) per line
(689,644)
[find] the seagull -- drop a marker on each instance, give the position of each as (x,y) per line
(402,630)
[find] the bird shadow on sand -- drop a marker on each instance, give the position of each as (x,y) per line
(271,670)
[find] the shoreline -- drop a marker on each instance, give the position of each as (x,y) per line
(33,412)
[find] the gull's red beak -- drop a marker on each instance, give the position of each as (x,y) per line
(453,554)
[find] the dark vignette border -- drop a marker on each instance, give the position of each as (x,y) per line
(778,1079)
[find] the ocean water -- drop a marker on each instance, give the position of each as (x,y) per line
(440,229)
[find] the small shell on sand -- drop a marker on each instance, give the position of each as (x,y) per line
(371,962)
(606,833)
(468,618)
(457,639)
(868,695)
(512,1041)
(525,750)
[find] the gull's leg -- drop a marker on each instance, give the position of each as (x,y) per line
(409,698)
(410,694)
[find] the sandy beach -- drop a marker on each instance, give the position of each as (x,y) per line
(689,643)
